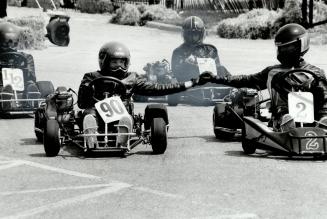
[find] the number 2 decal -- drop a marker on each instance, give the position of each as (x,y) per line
(312,143)
(301,113)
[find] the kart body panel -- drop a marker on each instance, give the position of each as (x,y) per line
(299,141)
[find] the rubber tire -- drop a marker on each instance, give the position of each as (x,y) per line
(37,124)
(217,120)
(248,146)
(173,99)
(158,136)
(51,139)
(45,88)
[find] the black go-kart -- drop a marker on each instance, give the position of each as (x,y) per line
(17,95)
(204,55)
(58,124)
(307,138)
(156,72)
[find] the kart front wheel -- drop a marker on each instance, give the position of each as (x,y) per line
(219,120)
(51,138)
(158,135)
(247,145)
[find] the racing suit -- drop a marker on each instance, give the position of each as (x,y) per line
(183,69)
(137,85)
(184,66)
(267,79)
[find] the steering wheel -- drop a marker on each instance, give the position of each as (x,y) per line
(293,80)
(13,60)
(107,85)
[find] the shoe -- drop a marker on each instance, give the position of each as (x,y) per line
(90,127)
(125,125)
(287,123)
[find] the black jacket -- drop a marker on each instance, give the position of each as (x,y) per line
(184,70)
(133,82)
(263,80)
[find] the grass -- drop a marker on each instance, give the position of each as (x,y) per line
(210,18)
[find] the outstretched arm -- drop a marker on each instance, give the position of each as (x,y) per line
(256,81)
(146,88)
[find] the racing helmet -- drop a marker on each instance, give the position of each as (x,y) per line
(193,30)
(9,35)
(292,42)
(110,51)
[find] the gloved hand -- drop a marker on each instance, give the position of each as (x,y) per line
(205,77)
(201,80)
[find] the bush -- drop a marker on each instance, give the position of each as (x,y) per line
(126,15)
(95,6)
(255,24)
(44,4)
(142,8)
(33,31)
(159,13)
(291,14)
(14,3)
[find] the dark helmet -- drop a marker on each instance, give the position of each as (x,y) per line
(193,30)
(9,35)
(292,41)
(110,51)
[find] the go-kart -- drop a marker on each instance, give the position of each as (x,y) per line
(204,56)
(307,138)
(17,95)
(156,72)
(227,118)
(58,124)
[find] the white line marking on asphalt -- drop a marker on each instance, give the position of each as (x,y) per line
(11,164)
(114,187)
(59,170)
(56,189)
(231,216)
(7,161)
(157,192)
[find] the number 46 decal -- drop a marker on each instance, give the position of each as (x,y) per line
(111,109)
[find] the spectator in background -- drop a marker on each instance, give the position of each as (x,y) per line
(3,8)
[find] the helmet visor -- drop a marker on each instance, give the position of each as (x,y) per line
(192,36)
(116,64)
(290,49)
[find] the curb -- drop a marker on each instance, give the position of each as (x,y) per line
(173,28)
(162,26)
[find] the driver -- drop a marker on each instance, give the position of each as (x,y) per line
(292,43)
(183,61)
(114,61)
(9,37)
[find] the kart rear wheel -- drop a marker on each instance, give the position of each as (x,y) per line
(51,139)
(247,145)
(158,136)
(45,88)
